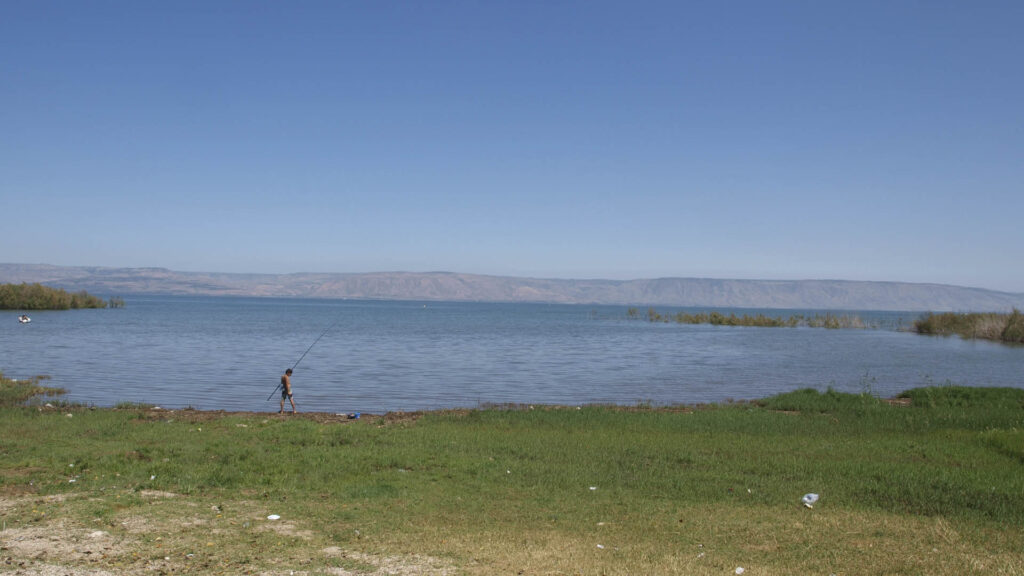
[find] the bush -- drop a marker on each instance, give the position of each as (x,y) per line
(38,297)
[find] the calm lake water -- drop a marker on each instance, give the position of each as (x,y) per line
(228,353)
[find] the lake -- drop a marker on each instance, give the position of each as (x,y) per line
(228,353)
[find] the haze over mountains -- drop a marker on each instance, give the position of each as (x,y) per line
(448,286)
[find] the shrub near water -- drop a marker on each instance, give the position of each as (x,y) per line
(38,297)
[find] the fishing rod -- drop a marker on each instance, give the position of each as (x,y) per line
(306,352)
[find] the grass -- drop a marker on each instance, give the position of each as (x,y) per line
(16,392)
(932,487)
(988,326)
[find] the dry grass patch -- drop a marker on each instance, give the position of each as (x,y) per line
(762,540)
(60,542)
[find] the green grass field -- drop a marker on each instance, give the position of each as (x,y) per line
(930,484)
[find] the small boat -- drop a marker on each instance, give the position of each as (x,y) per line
(24,319)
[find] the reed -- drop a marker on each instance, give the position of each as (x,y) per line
(987,326)
(715,318)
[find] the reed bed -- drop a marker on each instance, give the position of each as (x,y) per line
(988,326)
(715,318)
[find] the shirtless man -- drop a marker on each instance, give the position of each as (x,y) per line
(286,390)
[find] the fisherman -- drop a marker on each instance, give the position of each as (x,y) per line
(286,390)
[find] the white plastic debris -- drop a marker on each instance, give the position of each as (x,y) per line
(592,488)
(153,477)
(600,546)
(273,517)
(809,500)
(740,570)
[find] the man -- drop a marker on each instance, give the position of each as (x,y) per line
(286,390)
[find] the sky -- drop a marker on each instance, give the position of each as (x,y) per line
(739,139)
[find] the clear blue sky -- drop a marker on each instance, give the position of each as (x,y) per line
(790,140)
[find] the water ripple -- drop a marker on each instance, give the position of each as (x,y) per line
(228,353)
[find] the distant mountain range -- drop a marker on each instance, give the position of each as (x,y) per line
(448,286)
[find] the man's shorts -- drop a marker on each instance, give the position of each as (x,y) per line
(285,394)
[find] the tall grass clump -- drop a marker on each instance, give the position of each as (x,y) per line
(986,326)
(1014,330)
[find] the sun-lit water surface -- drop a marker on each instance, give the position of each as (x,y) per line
(228,353)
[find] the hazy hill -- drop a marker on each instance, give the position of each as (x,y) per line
(813,294)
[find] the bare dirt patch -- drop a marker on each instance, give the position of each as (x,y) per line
(286,529)
(411,565)
(197,416)
(158,539)
(7,503)
(58,542)
(34,569)
(154,494)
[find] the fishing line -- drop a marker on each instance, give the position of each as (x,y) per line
(306,352)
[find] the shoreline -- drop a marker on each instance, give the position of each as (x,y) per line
(154,413)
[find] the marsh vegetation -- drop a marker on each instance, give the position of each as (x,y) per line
(715,318)
(38,297)
(988,326)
